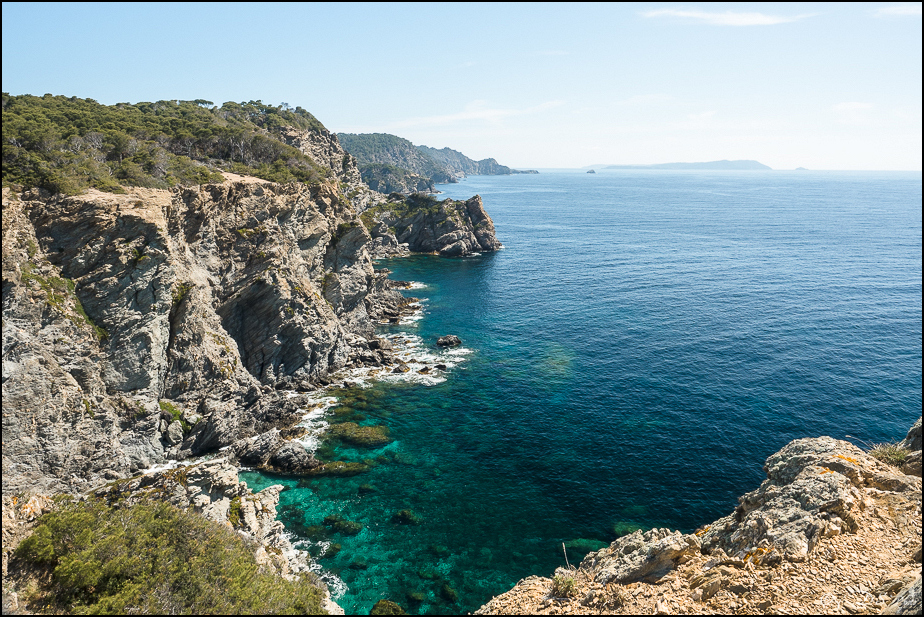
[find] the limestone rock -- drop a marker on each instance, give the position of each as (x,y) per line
(811,489)
(913,440)
(640,556)
(907,602)
(912,464)
(810,540)
(450,228)
(211,297)
(270,452)
(450,340)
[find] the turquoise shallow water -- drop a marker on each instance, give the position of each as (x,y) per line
(643,343)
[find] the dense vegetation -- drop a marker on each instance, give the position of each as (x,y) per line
(151,558)
(390,179)
(385,149)
(68,144)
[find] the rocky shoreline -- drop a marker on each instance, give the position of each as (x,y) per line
(196,329)
(832,530)
(150,327)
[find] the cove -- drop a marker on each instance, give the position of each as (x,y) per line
(630,358)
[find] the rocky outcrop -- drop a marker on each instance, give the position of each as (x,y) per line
(831,530)
(324,147)
(425,225)
(390,179)
(212,489)
(270,452)
(813,489)
(202,299)
(450,340)
(460,165)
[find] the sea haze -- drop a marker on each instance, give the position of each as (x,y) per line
(643,343)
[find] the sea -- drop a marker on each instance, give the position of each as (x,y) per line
(643,342)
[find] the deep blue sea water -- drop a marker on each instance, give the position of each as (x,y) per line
(642,344)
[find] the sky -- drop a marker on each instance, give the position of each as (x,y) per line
(821,86)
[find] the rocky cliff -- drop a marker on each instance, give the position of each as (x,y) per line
(461,166)
(390,179)
(422,224)
(831,530)
(381,149)
(158,324)
(392,164)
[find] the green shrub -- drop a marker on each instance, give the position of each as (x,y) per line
(152,558)
(562,586)
(176,413)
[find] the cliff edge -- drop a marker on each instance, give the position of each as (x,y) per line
(159,324)
(422,224)
(831,530)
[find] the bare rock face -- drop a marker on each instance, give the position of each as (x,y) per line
(811,491)
(206,297)
(913,440)
(907,602)
(640,556)
(324,147)
(270,452)
(450,228)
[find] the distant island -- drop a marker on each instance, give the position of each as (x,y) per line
(716,165)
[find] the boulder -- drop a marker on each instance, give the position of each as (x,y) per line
(450,340)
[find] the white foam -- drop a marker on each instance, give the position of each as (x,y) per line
(313,419)
(165,466)
(188,462)
(416,285)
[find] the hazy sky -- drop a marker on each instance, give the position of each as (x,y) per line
(824,86)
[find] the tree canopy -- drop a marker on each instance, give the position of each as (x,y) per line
(66,144)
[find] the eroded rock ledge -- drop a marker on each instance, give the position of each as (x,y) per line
(831,530)
(156,324)
(421,224)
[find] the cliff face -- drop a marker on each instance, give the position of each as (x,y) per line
(461,166)
(383,149)
(324,147)
(204,299)
(831,530)
(422,224)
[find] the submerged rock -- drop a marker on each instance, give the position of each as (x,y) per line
(406,517)
(338,524)
(339,468)
(362,436)
(387,607)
